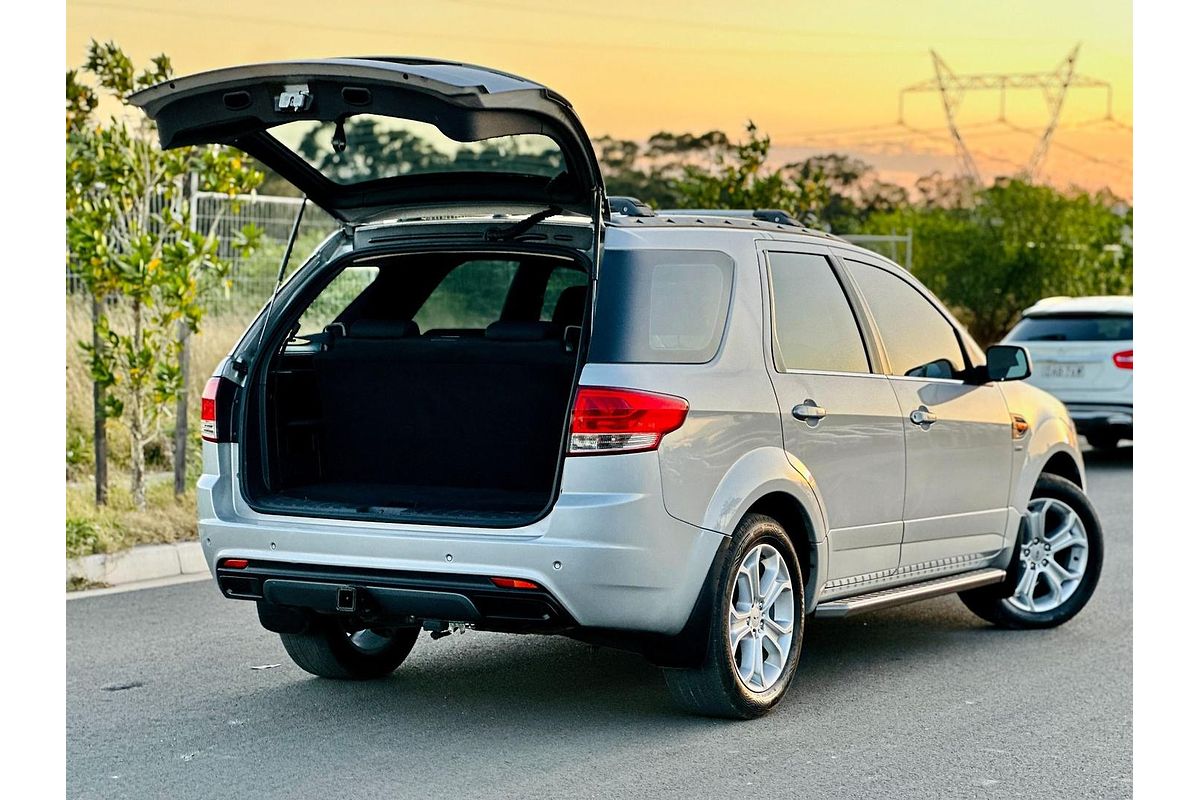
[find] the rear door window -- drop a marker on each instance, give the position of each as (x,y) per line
(814,326)
(470,297)
(661,306)
(349,284)
(1074,328)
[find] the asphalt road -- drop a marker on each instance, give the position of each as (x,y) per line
(163,700)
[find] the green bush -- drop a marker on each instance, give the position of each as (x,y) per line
(79,450)
(83,537)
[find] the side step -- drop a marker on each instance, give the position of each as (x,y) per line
(899,595)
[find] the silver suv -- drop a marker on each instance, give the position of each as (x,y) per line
(490,400)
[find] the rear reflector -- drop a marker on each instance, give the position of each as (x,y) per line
(234,563)
(1123,359)
(514,583)
(607,420)
(208,410)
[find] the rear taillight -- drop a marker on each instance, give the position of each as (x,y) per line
(1123,359)
(622,420)
(210,403)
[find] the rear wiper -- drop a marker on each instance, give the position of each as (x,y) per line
(507,234)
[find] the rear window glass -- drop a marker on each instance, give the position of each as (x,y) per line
(376,147)
(1074,328)
(661,306)
(471,296)
(349,284)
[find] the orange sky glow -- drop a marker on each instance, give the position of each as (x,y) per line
(816,77)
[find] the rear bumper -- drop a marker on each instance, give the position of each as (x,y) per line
(613,559)
(392,598)
(1102,418)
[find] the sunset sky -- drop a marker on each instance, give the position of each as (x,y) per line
(811,75)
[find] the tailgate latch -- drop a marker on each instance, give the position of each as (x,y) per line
(294,97)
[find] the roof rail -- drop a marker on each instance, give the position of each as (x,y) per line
(629,207)
(778,216)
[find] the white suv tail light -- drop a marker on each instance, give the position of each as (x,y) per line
(607,420)
(1123,359)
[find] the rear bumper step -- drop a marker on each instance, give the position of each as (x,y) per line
(886,598)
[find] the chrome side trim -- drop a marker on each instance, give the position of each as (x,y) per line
(886,598)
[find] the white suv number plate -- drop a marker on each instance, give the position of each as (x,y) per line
(1062,370)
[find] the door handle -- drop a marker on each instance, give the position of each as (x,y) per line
(809,412)
(923,417)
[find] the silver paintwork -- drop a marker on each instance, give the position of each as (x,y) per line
(761,618)
(1054,554)
(886,502)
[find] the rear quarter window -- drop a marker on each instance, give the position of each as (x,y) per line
(661,306)
(1074,328)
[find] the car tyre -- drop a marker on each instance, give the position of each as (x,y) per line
(331,648)
(729,683)
(1006,604)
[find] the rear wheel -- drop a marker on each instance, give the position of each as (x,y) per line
(755,629)
(1056,565)
(334,648)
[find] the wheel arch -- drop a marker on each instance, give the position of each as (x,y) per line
(1063,465)
(767,481)
(788,511)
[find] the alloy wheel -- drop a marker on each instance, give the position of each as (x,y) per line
(762,611)
(1053,557)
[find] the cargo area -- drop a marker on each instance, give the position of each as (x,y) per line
(421,387)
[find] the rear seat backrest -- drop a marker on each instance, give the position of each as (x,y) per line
(521,331)
(383,329)
(395,406)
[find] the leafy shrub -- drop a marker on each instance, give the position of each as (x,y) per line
(83,537)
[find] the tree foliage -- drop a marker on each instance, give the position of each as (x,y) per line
(991,253)
(133,241)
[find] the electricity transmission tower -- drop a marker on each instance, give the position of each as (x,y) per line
(1054,85)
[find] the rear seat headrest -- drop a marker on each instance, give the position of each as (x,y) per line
(383,329)
(520,331)
(569,308)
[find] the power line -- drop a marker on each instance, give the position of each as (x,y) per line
(626,16)
(546,44)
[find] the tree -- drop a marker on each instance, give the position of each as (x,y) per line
(742,179)
(133,241)
(992,253)
(850,190)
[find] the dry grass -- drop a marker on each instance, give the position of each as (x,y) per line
(119,525)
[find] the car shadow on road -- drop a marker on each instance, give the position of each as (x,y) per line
(565,684)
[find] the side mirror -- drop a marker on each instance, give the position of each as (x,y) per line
(942,368)
(1007,362)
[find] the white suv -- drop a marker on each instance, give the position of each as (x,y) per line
(1082,350)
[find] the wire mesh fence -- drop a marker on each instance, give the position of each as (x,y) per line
(897,247)
(253,276)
